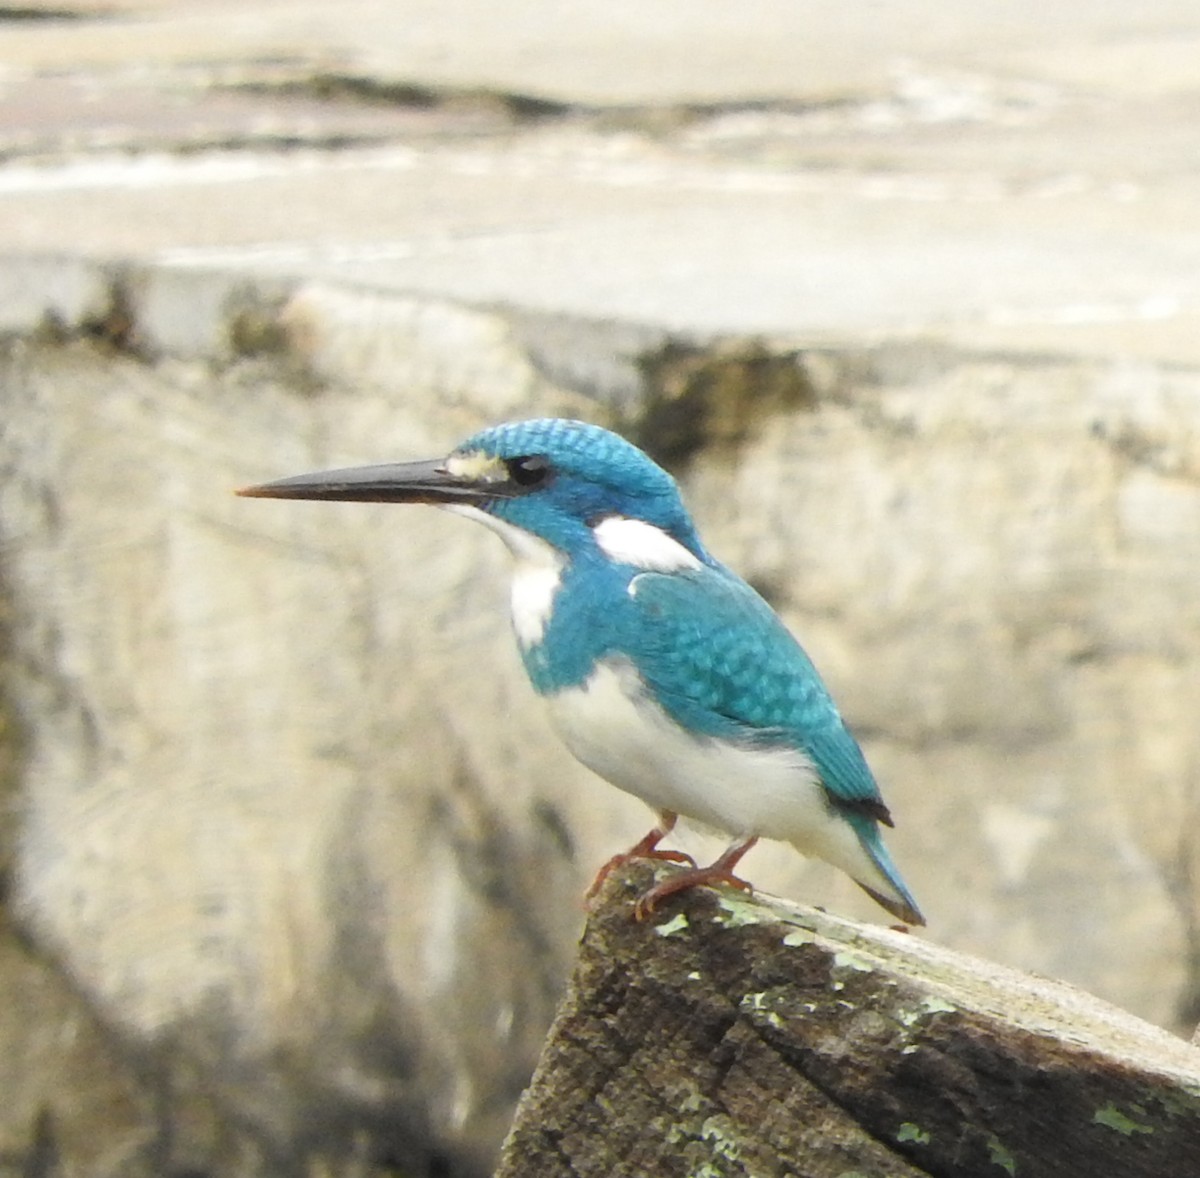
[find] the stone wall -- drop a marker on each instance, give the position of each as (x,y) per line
(292,829)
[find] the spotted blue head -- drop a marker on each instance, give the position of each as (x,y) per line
(550,479)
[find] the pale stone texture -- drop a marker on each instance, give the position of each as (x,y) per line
(1021,176)
(297,858)
(211,842)
(291,810)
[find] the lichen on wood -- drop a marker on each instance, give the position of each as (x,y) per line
(734,1036)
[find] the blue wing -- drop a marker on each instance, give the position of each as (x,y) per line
(722,663)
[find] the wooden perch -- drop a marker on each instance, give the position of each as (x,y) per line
(743,1036)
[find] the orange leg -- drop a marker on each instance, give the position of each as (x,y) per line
(720,871)
(646,849)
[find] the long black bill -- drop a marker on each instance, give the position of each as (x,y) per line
(391,482)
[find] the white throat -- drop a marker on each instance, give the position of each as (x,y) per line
(535,579)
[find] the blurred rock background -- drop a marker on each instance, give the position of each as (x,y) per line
(907,297)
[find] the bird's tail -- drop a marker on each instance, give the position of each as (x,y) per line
(894,894)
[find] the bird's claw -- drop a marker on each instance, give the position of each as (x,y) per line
(649,900)
(630,857)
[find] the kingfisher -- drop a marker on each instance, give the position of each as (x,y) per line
(663,671)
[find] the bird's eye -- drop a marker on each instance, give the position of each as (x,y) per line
(530,470)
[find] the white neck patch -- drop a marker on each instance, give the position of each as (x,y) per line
(536,579)
(635,542)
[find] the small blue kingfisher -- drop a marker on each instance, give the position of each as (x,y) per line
(664,672)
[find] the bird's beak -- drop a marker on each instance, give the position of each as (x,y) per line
(394,482)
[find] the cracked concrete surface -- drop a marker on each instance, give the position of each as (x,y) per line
(1026,180)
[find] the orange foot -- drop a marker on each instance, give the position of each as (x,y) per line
(720,871)
(646,849)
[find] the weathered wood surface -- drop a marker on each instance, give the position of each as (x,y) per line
(741,1036)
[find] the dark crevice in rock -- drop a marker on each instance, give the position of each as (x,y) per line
(513,106)
(13,741)
(523,107)
(714,398)
(1141,447)
(18,15)
(1183,886)
(116,323)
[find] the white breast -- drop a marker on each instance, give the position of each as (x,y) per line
(615,729)
(618,732)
